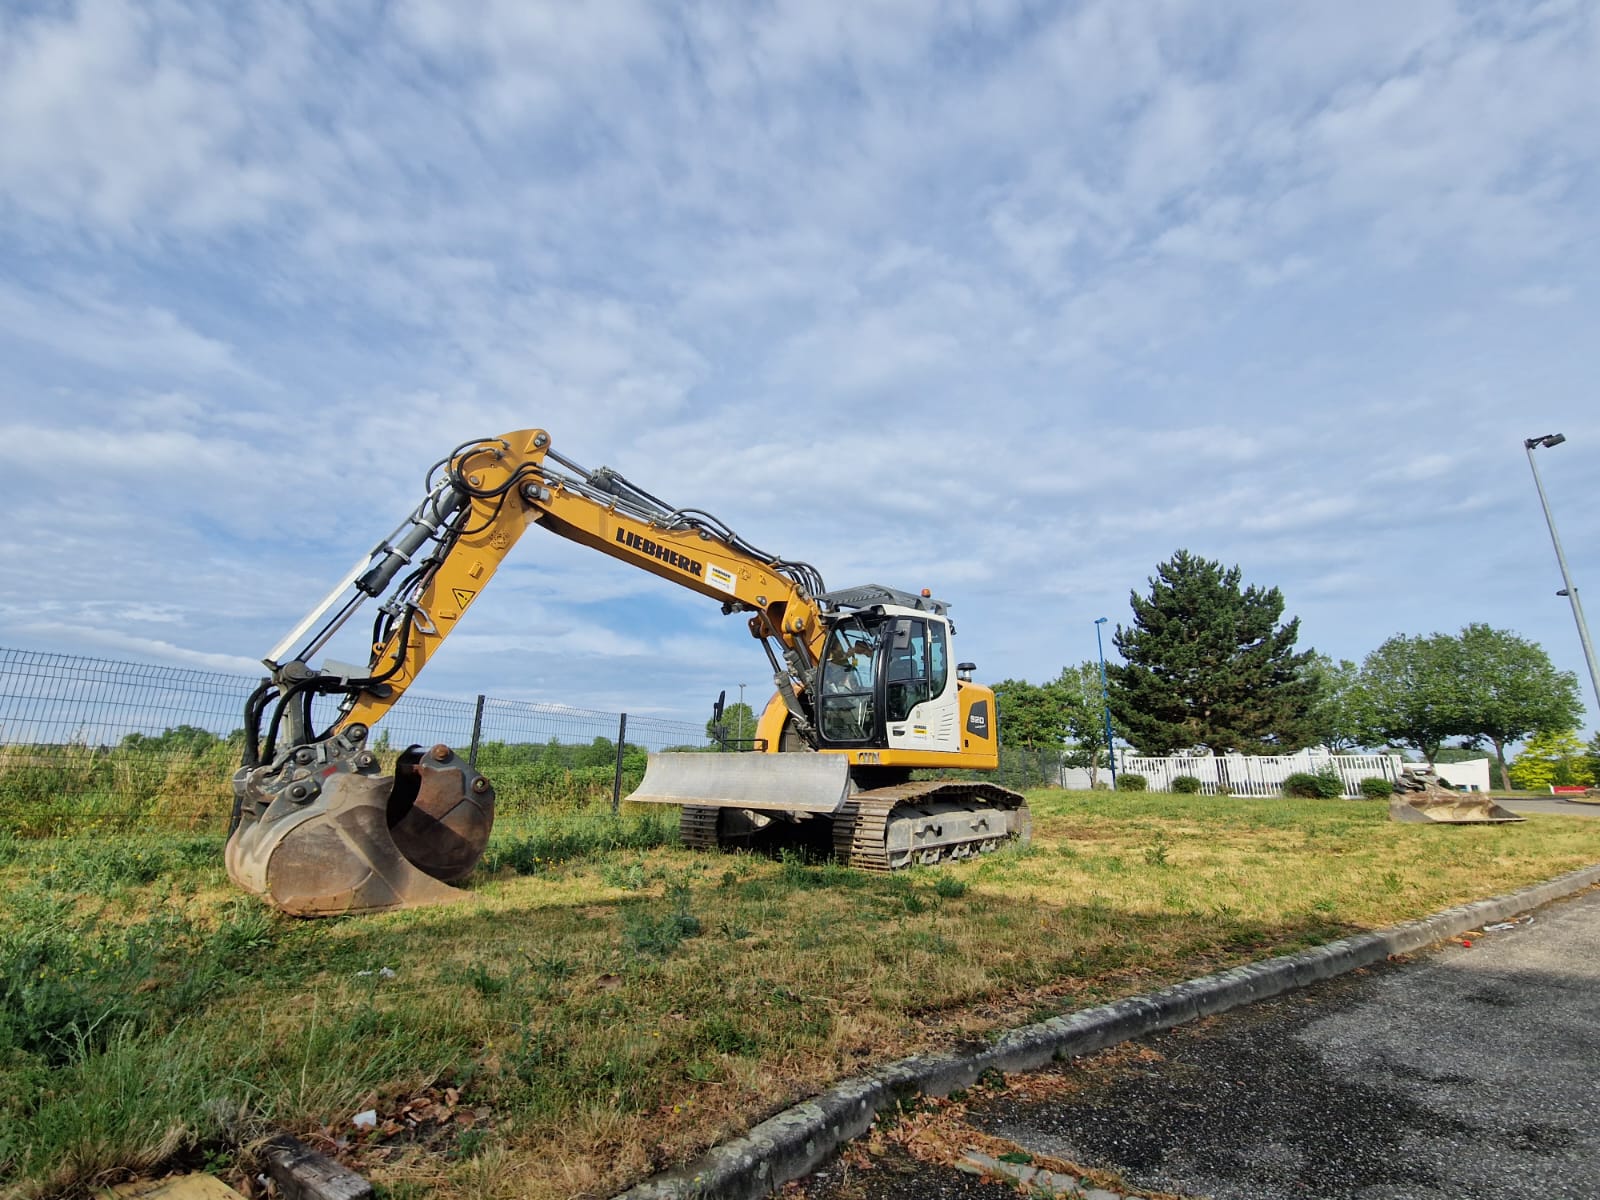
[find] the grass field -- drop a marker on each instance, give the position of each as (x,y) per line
(607,1004)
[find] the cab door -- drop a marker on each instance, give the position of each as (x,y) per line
(921,710)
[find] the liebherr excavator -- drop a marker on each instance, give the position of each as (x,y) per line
(866,692)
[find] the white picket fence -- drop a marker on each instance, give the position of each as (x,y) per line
(1258,774)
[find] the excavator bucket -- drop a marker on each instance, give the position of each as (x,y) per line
(795,783)
(1422,798)
(329,835)
(1459,808)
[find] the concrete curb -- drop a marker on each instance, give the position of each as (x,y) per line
(800,1139)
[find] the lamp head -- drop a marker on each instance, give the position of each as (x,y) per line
(1548,440)
(1099,620)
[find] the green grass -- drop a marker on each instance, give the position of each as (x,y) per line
(607,1004)
(54,791)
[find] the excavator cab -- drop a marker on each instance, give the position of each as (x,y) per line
(880,666)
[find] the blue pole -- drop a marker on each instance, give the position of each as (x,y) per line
(1105,698)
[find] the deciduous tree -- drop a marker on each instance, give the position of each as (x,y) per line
(1338,718)
(738,725)
(1550,758)
(1031,717)
(1411,694)
(1086,718)
(1511,689)
(1206,663)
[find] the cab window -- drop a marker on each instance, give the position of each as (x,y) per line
(906,673)
(938,660)
(849,678)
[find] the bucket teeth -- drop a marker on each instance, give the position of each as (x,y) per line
(327,835)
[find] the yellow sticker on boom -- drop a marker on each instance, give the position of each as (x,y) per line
(462,596)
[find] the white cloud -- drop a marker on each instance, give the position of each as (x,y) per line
(1012,302)
(117,114)
(87,325)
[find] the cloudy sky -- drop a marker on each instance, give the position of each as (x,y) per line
(1007,300)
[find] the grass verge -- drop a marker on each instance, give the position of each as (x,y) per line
(609,1004)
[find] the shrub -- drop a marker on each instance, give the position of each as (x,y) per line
(1323,784)
(1550,758)
(1187,784)
(1128,782)
(1375,788)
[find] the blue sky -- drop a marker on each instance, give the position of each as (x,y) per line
(1005,300)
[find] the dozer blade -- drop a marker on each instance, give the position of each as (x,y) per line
(329,836)
(798,783)
(1462,809)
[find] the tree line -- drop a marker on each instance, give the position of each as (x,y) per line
(1210,666)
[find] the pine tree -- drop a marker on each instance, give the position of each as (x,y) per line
(1206,664)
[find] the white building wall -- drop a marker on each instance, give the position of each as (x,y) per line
(1472,775)
(1263,775)
(1259,774)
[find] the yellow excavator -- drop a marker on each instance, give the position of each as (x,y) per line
(866,693)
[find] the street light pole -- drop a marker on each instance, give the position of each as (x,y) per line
(1105,699)
(741,715)
(1570,590)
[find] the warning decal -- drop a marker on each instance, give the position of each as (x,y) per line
(463,597)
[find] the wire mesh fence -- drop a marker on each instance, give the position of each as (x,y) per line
(49,700)
(87,743)
(1023,767)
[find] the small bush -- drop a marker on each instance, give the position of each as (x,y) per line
(1324,784)
(1375,788)
(1129,782)
(1186,784)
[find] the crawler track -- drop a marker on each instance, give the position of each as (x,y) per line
(697,827)
(860,830)
(882,829)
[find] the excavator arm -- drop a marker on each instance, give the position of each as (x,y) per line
(453,543)
(320,831)
(315,826)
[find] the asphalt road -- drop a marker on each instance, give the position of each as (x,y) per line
(1462,1073)
(1552,806)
